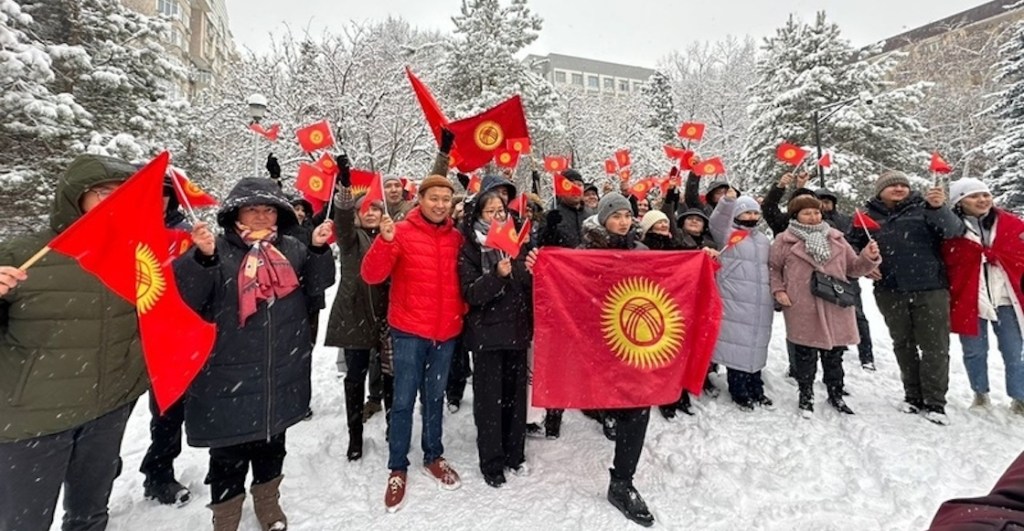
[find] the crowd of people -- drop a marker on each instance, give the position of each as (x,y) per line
(422,298)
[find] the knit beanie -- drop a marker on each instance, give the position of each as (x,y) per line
(387,178)
(890,178)
(650,219)
(745,203)
(435,180)
(609,204)
(801,202)
(965,187)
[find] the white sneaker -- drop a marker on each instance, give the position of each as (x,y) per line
(523,470)
(980,401)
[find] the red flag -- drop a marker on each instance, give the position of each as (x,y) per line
(519,145)
(431,110)
(477,137)
(790,153)
(361,181)
(566,188)
(622,158)
(712,166)
(864,221)
(825,161)
(687,161)
(641,189)
(326,165)
(555,164)
(692,131)
(524,232)
(736,237)
(939,165)
(315,136)
(618,333)
(474,184)
(411,188)
(519,204)
(269,134)
(374,193)
(625,174)
(503,237)
(675,153)
(506,158)
(313,182)
(123,242)
(609,167)
(189,193)
(179,241)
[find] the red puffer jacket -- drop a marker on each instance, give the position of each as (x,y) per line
(422,261)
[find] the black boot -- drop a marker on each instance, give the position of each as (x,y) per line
(626,499)
(669,412)
(354,414)
(553,424)
(167,492)
(806,403)
(355,444)
(684,403)
(835,399)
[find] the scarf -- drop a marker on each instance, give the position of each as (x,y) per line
(815,238)
(489,258)
(265,274)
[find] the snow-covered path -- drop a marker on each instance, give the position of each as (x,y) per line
(720,469)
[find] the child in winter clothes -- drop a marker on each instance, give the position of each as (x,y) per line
(815,326)
(985,267)
(748,306)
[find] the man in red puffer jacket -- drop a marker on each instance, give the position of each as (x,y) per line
(420,255)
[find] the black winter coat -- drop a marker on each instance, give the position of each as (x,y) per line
(568,232)
(910,241)
(500,309)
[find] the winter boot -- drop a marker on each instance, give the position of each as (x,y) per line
(669,412)
(355,414)
(835,399)
(553,424)
(684,404)
(227,514)
(534,430)
(370,409)
(912,405)
(981,401)
(806,403)
(265,498)
(626,499)
(355,443)
(765,402)
(936,415)
(167,492)
(1017,406)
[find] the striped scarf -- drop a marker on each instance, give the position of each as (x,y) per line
(266,274)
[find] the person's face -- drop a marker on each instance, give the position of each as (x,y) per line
(749,215)
(96,194)
(371,219)
(299,213)
(693,225)
(590,198)
(760,199)
(643,206)
(503,193)
(977,204)
(436,203)
(716,195)
(258,217)
(894,193)
(827,205)
(459,211)
(661,227)
(619,222)
(809,216)
(494,210)
(393,191)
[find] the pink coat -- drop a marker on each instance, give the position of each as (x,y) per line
(811,321)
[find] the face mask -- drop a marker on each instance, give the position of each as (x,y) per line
(748,223)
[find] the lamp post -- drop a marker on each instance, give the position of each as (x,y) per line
(257,108)
(831,109)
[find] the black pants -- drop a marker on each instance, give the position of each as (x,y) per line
(806,367)
(165,441)
(630,431)
(499,408)
(744,387)
(230,464)
(358,362)
(865,349)
(376,385)
(84,459)
(458,374)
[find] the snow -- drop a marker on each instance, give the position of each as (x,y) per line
(720,469)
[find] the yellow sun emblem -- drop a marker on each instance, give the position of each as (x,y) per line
(316,184)
(150,283)
(691,131)
(316,137)
(488,135)
(193,190)
(790,153)
(359,189)
(641,323)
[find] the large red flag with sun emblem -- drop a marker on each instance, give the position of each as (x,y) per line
(613,330)
(123,242)
(478,137)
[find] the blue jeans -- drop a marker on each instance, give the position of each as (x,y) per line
(1008,338)
(419,365)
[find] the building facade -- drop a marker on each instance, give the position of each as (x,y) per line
(565,71)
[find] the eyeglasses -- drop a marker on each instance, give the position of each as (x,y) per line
(495,213)
(102,192)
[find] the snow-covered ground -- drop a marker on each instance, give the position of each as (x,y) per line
(720,469)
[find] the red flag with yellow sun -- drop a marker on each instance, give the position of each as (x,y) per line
(616,330)
(123,242)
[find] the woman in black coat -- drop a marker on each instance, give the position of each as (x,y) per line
(253,283)
(498,330)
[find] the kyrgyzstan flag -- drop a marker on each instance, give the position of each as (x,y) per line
(790,153)
(692,131)
(374,193)
(179,241)
(315,136)
(622,158)
(555,163)
(503,237)
(610,167)
(312,181)
(123,242)
(506,158)
(478,137)
(566,188)
(189,193)
(618,330)
(938,164)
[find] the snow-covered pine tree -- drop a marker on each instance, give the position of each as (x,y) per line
(659,99)
(808,67)
(1006,176)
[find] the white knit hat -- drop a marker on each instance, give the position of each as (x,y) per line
(965,187)
(651,218)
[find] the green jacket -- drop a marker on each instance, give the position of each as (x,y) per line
(69,347)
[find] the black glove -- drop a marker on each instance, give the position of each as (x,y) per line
(344,173)
(673,172)
(553,219)
(273,167)
(463,180)
(535,176)
(447,141)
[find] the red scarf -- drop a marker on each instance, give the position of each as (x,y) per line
(266,274)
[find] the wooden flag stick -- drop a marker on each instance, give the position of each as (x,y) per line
(35,258)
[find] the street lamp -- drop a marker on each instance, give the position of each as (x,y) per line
(257,107)
(864,97)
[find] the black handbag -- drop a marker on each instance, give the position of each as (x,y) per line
(833,290)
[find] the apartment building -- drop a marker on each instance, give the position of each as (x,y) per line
(602,77)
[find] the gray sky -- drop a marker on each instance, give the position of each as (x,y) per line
(636,32)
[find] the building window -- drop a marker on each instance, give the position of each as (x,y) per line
(577,79)
(593,82)
(623,85)
(637,85)
(168,7)
(609,84)
(559,77)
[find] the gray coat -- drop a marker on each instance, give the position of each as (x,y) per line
(747,304)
